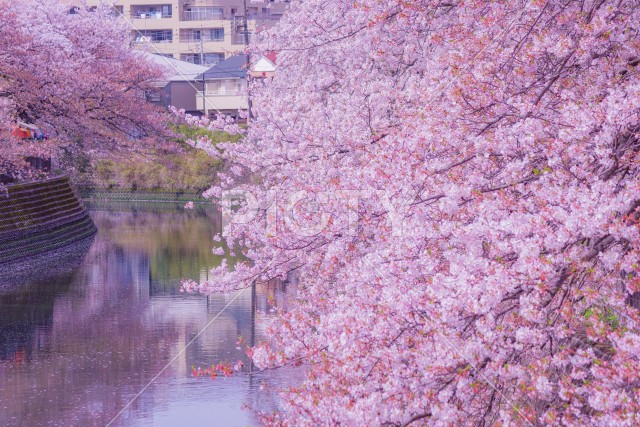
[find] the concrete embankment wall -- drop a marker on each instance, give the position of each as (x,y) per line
(41,216)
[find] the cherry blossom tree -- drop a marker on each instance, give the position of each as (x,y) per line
(456,185)
(74,75)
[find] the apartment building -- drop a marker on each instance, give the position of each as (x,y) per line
(202,32)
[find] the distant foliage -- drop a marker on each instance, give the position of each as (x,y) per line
(187,131)
(193,172)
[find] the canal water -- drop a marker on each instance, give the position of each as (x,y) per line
(85,330)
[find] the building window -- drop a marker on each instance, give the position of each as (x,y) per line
(224,87)
(153,96)
(154,36)
(204,34)
(215,87)
(217,34)
(213,58)
(203,13)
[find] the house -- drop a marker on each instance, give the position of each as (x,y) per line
(226,84)
(265,66)
(180,85)
(225,87)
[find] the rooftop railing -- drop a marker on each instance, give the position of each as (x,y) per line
(191,38)
(202,15)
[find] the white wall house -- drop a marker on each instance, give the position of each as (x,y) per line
(225,84)
(225,87)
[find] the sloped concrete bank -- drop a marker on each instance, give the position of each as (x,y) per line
(41,216)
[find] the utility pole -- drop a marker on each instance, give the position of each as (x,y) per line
(201,50)
(248,54)
(252,338)
(204,81)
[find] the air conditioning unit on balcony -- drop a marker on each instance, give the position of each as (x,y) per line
(143,16)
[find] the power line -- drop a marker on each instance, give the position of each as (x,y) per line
(188,80)
(194,49)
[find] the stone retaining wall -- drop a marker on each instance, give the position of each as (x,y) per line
(41,216)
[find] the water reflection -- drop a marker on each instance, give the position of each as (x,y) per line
(84,332)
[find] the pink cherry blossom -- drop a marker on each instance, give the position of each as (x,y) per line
(504,138)
(76,78)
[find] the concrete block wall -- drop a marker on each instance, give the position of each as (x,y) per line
(41,216)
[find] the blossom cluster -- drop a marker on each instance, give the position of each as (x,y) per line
(509,132)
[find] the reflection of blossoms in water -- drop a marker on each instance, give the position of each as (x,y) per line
(124,295)
(212,371)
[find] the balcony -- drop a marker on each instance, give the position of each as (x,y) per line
(159,11)
(221,91)
(206,59)
(143,40)
(231,100)
(204,35)
(153,36)
(203,38)
(150,15)
(203,14)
